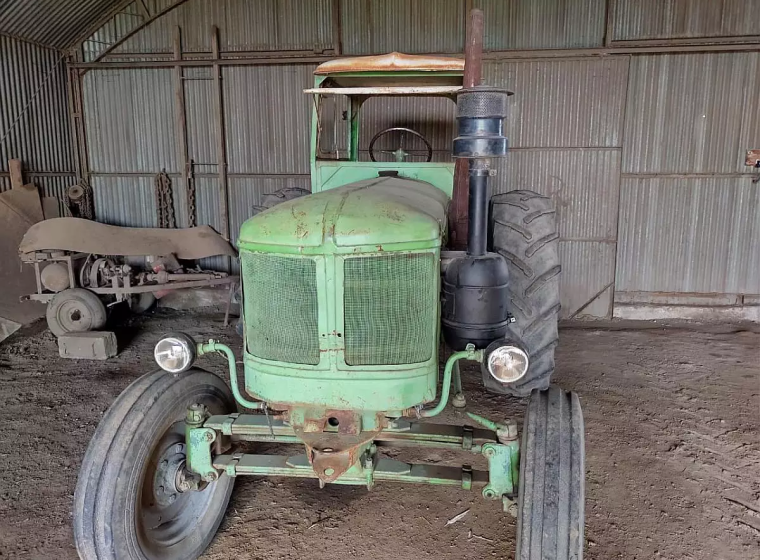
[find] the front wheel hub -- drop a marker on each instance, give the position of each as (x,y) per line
(169,479)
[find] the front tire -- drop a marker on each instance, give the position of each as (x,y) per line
(550,515)
(524,232)
(125,507)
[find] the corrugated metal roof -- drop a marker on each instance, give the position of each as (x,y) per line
(409,26)
(545,24)
(655,19)
(563,103)
(34,114)
(265,25)
(129,118)
(695,113)
(55,23)
(584,185)
(689,235)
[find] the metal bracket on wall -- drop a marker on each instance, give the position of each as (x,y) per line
(753,159)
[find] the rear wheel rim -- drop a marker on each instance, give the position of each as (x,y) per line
(164,515)
(73,316)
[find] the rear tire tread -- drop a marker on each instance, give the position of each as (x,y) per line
(524,231)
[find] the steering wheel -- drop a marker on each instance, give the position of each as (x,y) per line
(399,153)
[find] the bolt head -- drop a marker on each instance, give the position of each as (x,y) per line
(210,436)
(211,476)
(488,452)
(172,498)
(329,471)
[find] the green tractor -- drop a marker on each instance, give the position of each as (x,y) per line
(347,293)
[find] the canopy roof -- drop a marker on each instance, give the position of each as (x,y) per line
(392,62)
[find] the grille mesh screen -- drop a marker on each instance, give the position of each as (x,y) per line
(281,308)
(390,306)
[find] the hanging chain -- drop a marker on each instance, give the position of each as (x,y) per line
(191,212)
(164,201)
(80,201)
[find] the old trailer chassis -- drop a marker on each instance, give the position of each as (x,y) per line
(212,451)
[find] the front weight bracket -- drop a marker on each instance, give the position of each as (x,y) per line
(503,468)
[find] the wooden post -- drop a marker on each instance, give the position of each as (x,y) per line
(17,176)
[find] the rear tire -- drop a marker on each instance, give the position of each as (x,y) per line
(524,231)
(550,516)
(123,505)
(271,200)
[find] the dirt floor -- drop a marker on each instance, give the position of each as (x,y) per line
(672,454)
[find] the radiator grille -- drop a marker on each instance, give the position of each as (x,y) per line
(281,308)
(390,305)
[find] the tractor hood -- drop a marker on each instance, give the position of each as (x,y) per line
(381,211)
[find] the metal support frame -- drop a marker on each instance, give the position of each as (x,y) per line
(499,482)
(221,145)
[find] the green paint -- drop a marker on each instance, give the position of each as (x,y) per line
(198,449)
(213,346)
(468,354)
(328,174)
(503,469)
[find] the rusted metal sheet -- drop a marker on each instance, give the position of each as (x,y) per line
(584,185)
(265,25)
(391,62)
(267,118)
(34,121)
(130,123)
(692,113)
(689,235)
(125,201)
(752,158)
(86,236)
(473,73)
(587,278)
(563,103)
(409,26)
(528,24)
(655,19)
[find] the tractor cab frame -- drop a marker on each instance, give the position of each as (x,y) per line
(343,86)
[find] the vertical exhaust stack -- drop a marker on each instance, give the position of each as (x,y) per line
(475,286)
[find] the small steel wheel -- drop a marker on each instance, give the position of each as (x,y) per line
(75,310)
(133,500)
(550,513)
(142,302)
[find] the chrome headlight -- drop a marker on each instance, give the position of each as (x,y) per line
(507,362)
(175,353)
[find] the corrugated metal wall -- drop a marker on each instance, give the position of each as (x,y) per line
(643,155)
(34,116)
